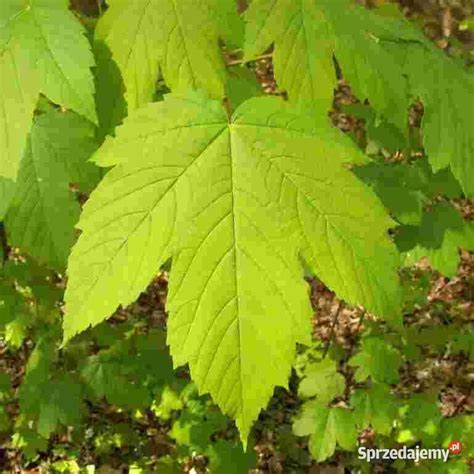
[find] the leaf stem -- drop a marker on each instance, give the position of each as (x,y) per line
(333,327)
(236,62)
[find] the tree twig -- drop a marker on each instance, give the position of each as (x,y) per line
(4,243)
(361,320)
(333,327)
(236,62)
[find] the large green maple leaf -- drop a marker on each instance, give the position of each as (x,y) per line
(58,51)
(42,49)
(307,34)
(236,202)
(384,58)
(178,36)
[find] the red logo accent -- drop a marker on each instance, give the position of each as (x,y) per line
(455,447)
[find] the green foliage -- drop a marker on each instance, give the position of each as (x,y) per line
(160,220)
(378,360)
(43,211)
(327,427)
(42,49)
(375,407)
(441,233)
(143,36)
(227,458)
(322,380)
(130,368)
(238,197)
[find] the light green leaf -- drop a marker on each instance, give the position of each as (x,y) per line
(322,380)
(180,37)
(303,49)
(58,51)
(306,34)
(371,68)
(74,139)
(43,211)
(230,26)
(305,422)
(169,403)
(445,88)
(327,427)
(16,331)
(378,360)
(459,428)
(376,407)
(233,211)
(19,90)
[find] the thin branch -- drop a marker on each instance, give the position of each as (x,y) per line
(361,320)
(359,324)
(3,242)
(333,327)
(236,62)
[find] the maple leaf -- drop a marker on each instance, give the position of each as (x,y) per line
(58,51)
(377,359)
(42,49)
(326,427)
(306,34)
(421,420)
(448,134)
(440,235)
(230,26)
(106,378)
(460,428)
(234,202)
(19,89)
(322,380)
(382,136)
(303,54)
(62,405)
(43,212)
(180,37)
(376,407)
(399,187)
(384,58)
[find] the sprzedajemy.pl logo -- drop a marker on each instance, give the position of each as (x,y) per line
(416,453)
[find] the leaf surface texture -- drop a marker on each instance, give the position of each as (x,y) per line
(178,36)
(236,203)
(43,211)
